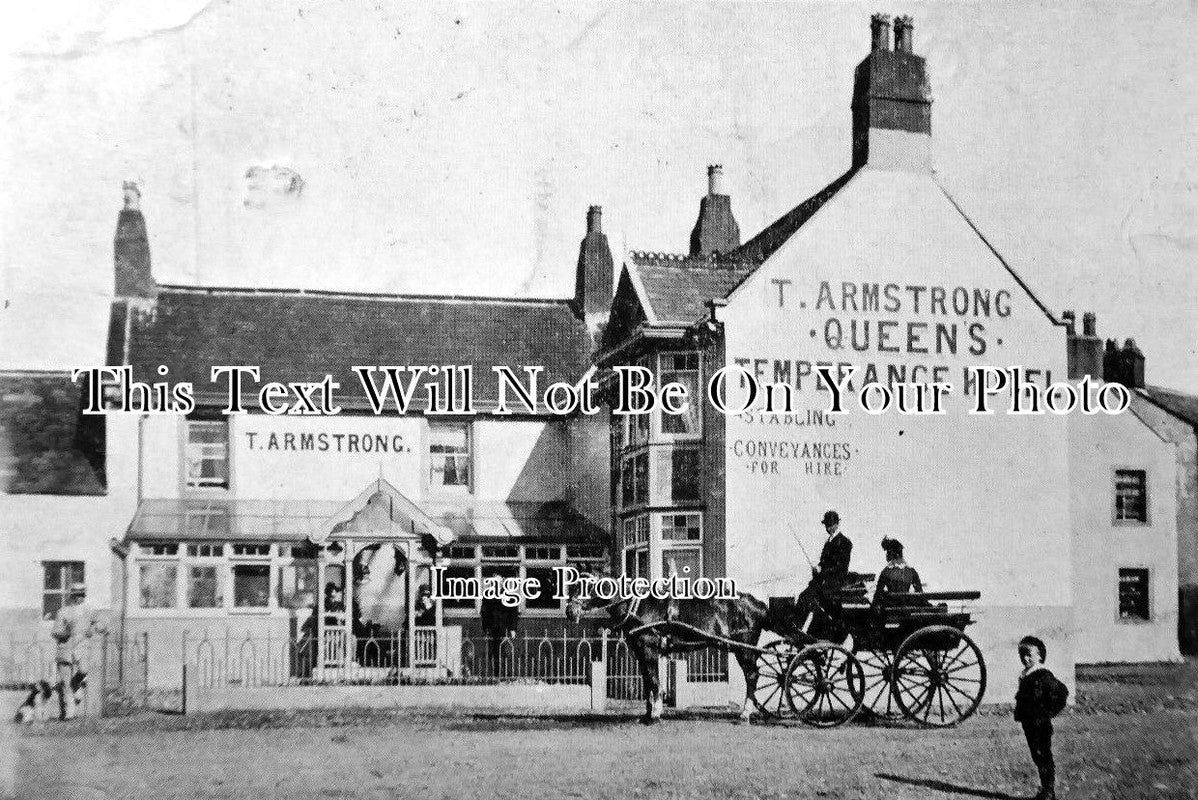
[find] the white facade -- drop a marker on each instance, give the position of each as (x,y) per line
(1123,479)
(38,532)
(980,502)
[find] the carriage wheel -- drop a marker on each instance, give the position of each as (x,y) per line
(879,684)
(825,685)
(939,676)
(770,697)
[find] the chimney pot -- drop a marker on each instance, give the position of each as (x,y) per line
(1070,320)
(132,195)
(1089,324)
(904,30)
(715,179)
(879,26)
(595,219)
(1130,346)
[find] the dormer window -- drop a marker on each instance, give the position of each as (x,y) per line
(449,454)
(207,454)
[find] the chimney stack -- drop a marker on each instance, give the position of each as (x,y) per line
(1132,362)
(892,102)
(715,179)
(1112,369)
(716,230)
(904,30)
(1084,354)
(131,249)
(879,26)
(593,280)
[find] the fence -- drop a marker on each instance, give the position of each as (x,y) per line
(116,665)
(120,665)
(231,660)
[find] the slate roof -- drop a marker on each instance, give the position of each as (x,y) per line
(764,244)
(1179,404)
(46,445)
(302,336)
(678,287)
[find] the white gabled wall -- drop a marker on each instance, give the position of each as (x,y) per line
(980,502)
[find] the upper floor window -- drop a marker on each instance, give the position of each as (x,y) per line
(1133,594)
(449,454)
(207,454)
(682,527)
(1131,495)
(60,579)
(682,368)
(634,480)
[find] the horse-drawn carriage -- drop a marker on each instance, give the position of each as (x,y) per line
(903,655)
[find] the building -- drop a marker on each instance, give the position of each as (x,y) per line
(1173,416)
(1126,476)
(881,270)
(294,524)
(63,497)
(1179,424)
(256,522)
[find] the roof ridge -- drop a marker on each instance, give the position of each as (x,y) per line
(1179,392)
(251,291)
(723,261)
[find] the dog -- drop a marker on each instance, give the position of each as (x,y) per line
(79,686)
(38,705)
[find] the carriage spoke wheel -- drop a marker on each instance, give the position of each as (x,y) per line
(879,684)
(939,676)
(824,685)
(770,696)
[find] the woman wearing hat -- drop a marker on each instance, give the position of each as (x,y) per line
(896,577)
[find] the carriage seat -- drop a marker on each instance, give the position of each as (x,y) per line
(855,588)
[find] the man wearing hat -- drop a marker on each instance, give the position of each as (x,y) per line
(821,595)
(833,567)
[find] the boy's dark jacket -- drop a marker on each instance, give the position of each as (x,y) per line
(1040,696)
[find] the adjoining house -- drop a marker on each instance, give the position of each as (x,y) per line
(1127,477)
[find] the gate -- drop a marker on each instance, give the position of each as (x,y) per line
(624,680)
(124,673)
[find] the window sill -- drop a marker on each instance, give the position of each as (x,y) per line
(1130,621)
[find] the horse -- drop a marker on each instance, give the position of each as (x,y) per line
(654,627)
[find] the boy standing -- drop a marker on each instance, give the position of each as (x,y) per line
(1040,697)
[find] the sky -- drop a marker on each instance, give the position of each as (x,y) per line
(453,148)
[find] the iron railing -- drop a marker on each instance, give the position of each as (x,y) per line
(229,659)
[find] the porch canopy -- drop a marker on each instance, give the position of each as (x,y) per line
(380,513)
(223,519)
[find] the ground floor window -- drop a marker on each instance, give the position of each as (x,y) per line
(157,583)
(683,562)
(203,588)
(297,585)
(251,585)
(59,580)
(1133,594)
(539,561)
(670,541)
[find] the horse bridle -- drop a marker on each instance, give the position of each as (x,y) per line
(633,604)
